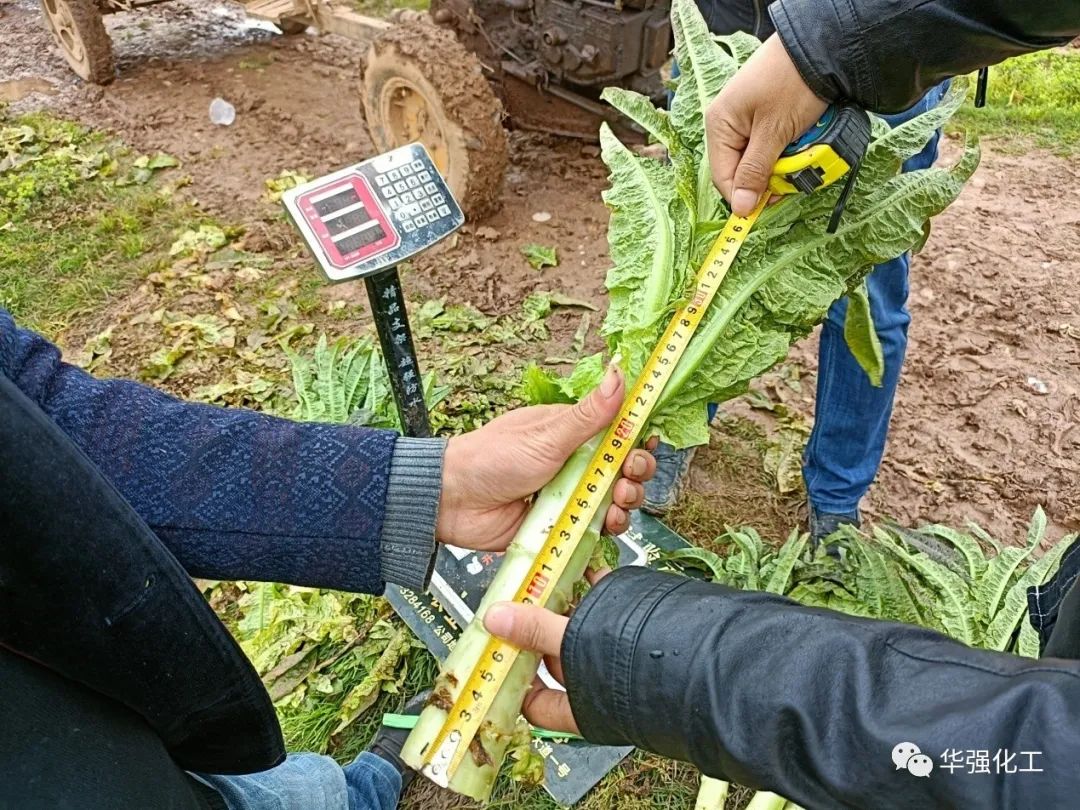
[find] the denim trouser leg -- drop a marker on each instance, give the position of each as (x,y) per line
(674,75)
(852,419)
(312,782)
(373,783)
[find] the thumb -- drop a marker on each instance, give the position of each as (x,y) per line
(577,424)
(527,627)
(755,167)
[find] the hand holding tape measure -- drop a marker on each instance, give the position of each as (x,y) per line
(831,150)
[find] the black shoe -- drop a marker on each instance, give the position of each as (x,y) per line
(388,742)
(825,524)
(672,470)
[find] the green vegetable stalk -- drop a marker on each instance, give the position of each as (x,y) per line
(712,795)
(476,774)
(767,801)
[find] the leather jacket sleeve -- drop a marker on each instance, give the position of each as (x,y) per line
(809,703)
(885,54)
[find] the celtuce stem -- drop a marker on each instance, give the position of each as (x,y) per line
(475,776)
(763,800)
(712,795)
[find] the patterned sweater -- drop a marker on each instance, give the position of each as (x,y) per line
(236,494)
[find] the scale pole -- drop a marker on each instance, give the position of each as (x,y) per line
(399,354)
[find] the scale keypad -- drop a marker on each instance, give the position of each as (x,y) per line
(412,196)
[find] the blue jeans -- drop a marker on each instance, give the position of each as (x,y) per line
(852,419)
(312,782)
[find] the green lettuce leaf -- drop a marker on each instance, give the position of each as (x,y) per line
(540,386)
(861,336)
(540,256)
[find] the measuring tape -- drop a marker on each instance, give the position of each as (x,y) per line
(826,152)
(832,148)
(476,695)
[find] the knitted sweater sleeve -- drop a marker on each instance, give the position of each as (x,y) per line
(235,494)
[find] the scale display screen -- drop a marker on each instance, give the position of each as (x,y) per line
(337,202)
(373,215)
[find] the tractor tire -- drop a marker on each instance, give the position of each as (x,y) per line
(420,84)
(77,27)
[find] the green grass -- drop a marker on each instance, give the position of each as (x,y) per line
(1035,96)
(78,221)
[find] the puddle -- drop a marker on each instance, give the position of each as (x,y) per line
(18,89)
(245,22)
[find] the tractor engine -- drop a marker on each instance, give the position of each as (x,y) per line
(550,59)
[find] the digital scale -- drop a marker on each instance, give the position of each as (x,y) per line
(361,222)
(376,214)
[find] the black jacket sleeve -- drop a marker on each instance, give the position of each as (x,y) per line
(885,54)
(810,704)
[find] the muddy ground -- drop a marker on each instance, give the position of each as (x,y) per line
(985,425)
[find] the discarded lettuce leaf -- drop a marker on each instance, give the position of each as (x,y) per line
(161,161)
(559,299)
(277,186)
(536,306)
(538,385)
(206,239)
(539,256)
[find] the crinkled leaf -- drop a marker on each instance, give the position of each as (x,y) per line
(783,458)
(647,254)
(954,611)
(997,580)
(861,336)
(383,676)
(702,559)
(972,554)
(162,161)
(658,124)
(543,387)
(740,44)
(206,239)
(536,307)
(1014,609)
(347,382)
(704,68)
(665,217)
(780,578)
(894,145)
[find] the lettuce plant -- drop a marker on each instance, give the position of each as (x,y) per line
(664,218)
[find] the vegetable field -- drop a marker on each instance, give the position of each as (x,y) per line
(152,245)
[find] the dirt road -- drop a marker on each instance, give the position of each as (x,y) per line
(986,423)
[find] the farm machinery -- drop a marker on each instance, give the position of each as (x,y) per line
(450,77)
